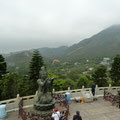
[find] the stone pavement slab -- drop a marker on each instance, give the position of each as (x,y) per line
(12,116)
(97,110)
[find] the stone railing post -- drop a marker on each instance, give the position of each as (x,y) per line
(96,90)
(17,100)
(69,89)
(36,95)
(109,89)
(83,87)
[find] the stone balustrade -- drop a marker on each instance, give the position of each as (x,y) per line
(12,104)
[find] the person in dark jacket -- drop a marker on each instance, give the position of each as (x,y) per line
(77,116)
(93,89)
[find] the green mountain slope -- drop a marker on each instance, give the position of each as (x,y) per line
(53,52)
(19,61)
(104,44)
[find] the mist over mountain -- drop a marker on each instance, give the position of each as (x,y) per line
(104,44)
(53,52)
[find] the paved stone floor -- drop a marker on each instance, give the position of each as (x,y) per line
(97,110)
(12,116)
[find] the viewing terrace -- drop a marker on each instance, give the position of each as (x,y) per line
(97,110)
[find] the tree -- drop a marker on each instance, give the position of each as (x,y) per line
(83,80)
(99,76)
(68,83)
(115,70)
(24,89)
(35,67)
(3,66)
(1,88)
(61,84)
(10,85)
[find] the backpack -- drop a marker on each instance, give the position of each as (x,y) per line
(60,118)
(76,117)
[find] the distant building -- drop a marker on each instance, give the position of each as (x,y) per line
(90,69)
(87,60)
(55,61)
(63,70)
(76,63)
(11,64)
(27,53)
(17,68)
(105,61)
(85,72)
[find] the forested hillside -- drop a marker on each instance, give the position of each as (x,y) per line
(104,44)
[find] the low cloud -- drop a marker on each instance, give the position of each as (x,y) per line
(27,24)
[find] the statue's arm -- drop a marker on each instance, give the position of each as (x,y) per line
(40,82)
(51,80)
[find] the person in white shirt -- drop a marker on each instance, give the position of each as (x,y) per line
(56,114)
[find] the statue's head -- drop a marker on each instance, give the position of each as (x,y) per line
(43,73)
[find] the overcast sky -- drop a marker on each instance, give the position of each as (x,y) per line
(27,24)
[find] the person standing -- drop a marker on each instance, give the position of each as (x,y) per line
(77,116)
(56,114)
(93,89)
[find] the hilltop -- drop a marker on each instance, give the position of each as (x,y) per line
(104,44)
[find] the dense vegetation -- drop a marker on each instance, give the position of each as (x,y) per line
(2,72)
(12,83)
(115,70)
(66,75)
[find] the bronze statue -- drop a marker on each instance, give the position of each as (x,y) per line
(45,100)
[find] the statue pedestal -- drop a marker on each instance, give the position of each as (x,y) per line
(40,112)
(44,107)
(3,113)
